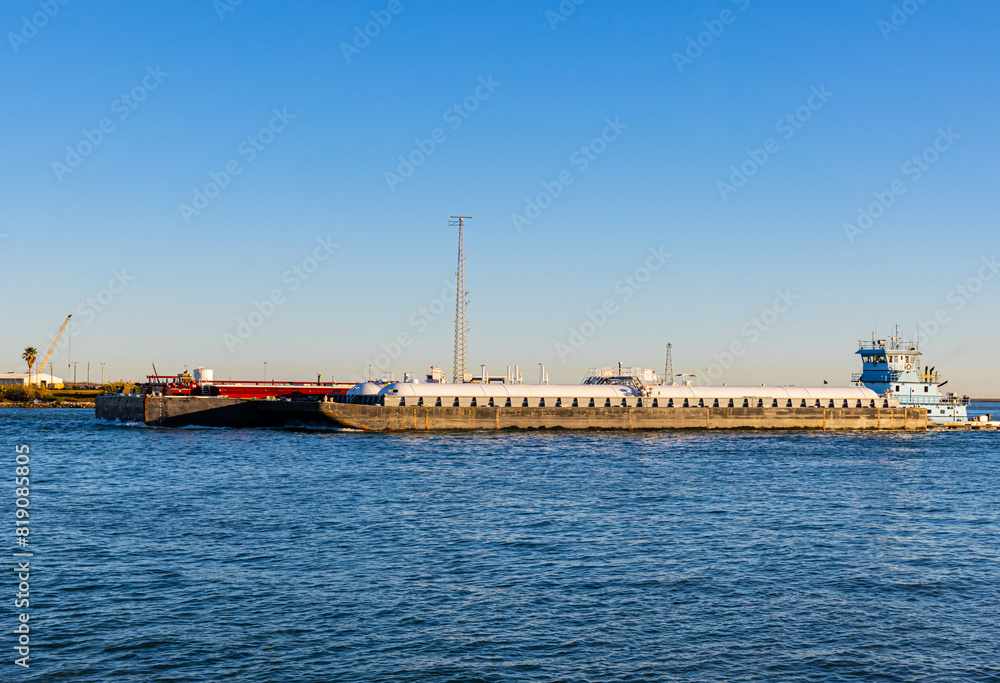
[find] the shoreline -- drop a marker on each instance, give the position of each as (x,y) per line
(48,404)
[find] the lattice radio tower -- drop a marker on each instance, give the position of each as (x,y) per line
(461,305)
(668,370)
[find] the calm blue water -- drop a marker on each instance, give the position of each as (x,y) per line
(261,556)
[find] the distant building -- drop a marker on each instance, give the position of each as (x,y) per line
(22,378)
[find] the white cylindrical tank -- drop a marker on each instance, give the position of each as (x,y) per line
(785,392)
(621,391)
(508,390)
(203,375)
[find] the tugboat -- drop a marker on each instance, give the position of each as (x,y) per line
(891,368)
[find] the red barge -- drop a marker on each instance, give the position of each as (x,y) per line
(201,383)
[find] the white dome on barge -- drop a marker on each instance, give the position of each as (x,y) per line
(500,390)
(824,392)
(365,389)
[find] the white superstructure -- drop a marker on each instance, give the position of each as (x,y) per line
(891,367)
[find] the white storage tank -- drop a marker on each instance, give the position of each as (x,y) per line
(203,375)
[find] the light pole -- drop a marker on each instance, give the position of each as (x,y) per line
(102,374)
(265,371)
(74,371)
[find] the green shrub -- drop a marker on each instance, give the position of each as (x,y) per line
(21,394)
(118,387)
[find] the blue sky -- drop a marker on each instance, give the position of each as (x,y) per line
(312,115)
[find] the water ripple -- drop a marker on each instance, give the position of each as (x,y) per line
(261,556)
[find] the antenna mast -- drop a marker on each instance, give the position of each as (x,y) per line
(668,369)
(461,367)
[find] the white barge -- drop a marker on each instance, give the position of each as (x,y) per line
(609,399)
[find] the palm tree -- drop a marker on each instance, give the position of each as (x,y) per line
(30,355)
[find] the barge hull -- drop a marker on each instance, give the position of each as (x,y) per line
(183,411)
(391,418)
(207,411)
